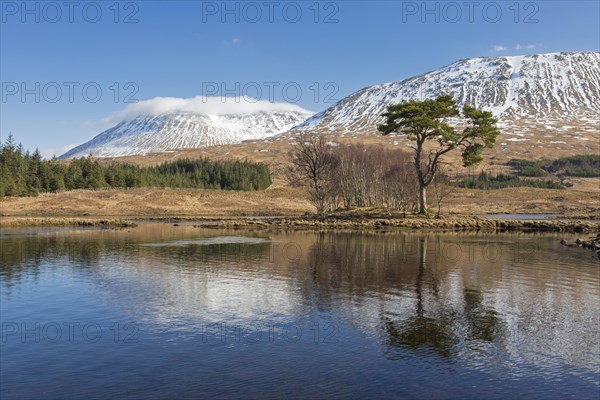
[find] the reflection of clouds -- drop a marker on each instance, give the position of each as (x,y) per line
(552,328)
(171,292)
(225,299)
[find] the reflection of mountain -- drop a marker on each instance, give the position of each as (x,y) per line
(471,298)
(222,283)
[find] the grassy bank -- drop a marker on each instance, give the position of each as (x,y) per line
(354,221)
(370,222)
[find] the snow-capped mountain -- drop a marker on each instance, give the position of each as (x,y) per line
(549,101)
(543,87)
(177,130)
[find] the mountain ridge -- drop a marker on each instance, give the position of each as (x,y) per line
(543,86)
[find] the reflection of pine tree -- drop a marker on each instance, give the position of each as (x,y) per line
(421,331)
(482,322)
(436,330)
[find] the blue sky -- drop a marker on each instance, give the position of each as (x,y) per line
(54,57)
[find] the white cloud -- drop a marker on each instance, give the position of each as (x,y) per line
(499,48)
(200,104)
(527,46)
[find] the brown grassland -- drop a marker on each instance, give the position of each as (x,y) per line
(582,200)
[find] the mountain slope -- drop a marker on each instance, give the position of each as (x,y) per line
(547,101)
(176,130)
(550,87)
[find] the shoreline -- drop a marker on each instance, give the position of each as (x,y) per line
(335,222)
(455,223)
(22,221)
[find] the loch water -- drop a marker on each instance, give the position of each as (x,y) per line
(163,311)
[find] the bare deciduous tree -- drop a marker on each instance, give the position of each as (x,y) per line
(354,175)
(441,188)
(401,186)
(372,176)
(313,166)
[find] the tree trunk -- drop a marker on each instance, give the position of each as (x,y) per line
(422,199)
(421,178)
